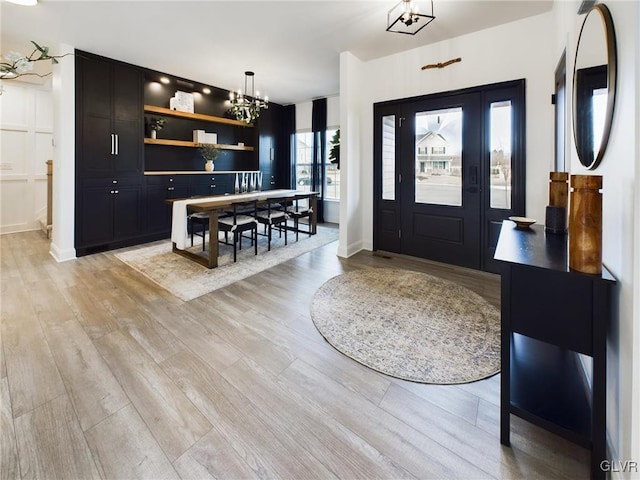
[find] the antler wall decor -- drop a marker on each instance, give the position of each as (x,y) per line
(442,64)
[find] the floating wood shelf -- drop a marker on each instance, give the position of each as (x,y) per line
(196,172)
(194,116)
(183,143)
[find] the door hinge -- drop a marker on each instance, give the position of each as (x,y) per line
(399,178)
(399,233)
(553,99)
(400,120)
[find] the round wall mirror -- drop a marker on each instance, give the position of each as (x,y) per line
(594,85)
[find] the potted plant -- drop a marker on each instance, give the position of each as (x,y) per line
(156,124)
(209,152)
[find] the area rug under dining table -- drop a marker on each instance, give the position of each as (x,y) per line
(187,279)
(410,325)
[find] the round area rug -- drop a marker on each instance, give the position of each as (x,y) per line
(410,325)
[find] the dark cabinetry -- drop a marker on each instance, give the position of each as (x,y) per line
(551,314)
(164,187)
(109,121)
(267,147)
(109,155)
(124,179)
(109,210)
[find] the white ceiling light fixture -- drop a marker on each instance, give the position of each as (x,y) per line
(406,18)
(26,3)
(246,106)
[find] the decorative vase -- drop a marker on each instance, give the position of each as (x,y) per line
(556,213)
(244,183)
(252,182)
(154,133)
(585,224)
(236,185)
(259,182)
(558,189)
(555,220)
(208,166)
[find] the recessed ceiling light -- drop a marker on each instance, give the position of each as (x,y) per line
(165,80)
(26,3)
(206,90)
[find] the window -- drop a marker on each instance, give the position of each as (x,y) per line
(304,160)
(304,164)
(438,180)
(332,187)
(501,139)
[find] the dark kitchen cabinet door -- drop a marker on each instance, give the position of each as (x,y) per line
(108,212)
(211,184)
(127,209)
(109,117)
(95,225)
(159,190)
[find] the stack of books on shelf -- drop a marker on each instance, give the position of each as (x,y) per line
(200,136)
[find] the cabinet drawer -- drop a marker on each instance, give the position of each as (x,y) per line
(210,184)
(167,180)
(546,307)
(111,181)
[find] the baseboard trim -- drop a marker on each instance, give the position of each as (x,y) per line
(350,250)
(60,255)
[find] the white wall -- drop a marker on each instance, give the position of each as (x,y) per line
(26,133)
(527,49)
(352,131)
(508,52)
(619,169)
(63,244)
(635,349)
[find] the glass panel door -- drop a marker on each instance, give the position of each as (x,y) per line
(440,179)
(438,157)
(448,169)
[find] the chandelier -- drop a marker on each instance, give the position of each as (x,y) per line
(246,107)
(406,18)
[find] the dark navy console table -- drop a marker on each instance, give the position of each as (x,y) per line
(549,315)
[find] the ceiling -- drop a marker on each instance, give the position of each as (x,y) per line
(293,46)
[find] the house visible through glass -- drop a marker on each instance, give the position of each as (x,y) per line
(304,165)
(438,162)
(500,134)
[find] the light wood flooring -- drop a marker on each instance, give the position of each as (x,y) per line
(106,375)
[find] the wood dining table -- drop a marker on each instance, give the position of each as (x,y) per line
(213,205)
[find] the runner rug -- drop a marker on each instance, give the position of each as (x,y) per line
(187,279)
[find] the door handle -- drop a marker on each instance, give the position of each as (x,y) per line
(473,175)
(117,143)
(473,179)
(113,142)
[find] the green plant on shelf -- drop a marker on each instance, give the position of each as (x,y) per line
(209,151)
(156,123)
